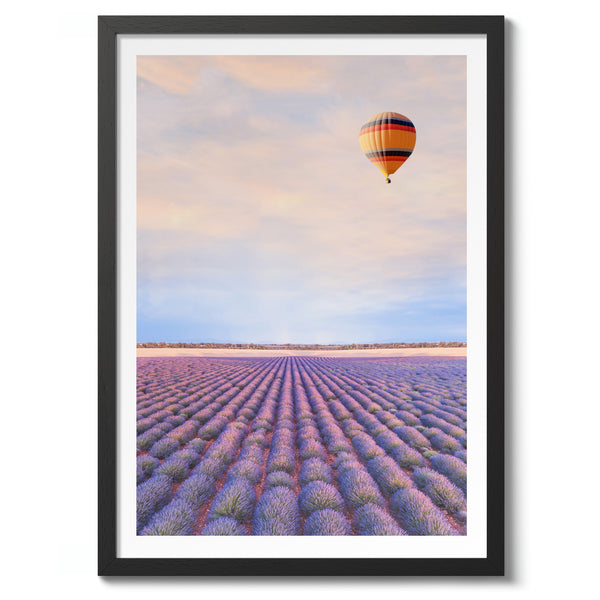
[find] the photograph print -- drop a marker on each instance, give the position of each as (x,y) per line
(301,295)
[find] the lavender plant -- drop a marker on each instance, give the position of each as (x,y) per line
(224,526)
(453,468)
(235,499)
(276,513)
(445,443)
(152,495)
(441,490)
(318,495)
(358,488)
(177,518)
(164,447)
(371,519)
(196,490)
(314,469)
(175,468)
(279,478)
(418,515)
(388,475)
(327,522)
(145,467)
(406,457)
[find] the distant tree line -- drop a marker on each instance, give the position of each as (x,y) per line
(303,346)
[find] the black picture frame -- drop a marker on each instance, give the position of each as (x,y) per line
(109,27)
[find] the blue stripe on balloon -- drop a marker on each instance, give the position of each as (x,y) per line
(386,121)
(389,152)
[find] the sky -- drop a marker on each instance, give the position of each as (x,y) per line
(260,220)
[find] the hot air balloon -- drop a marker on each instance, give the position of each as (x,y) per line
(388,139)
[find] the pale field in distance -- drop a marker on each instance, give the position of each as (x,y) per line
(234,352)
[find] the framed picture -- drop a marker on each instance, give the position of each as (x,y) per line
(301,295)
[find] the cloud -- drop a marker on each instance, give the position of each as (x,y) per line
(173,74)
(255,199)
(182,75)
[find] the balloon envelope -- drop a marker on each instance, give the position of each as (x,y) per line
(388,139)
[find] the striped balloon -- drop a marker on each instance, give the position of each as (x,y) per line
(388,139)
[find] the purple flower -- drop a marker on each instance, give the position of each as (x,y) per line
(151,496)
(177,518)
(236,500)
(358,488)
(452,467)
(441,490)
(327,522)
(224,526)
(388,475)
(445,443)
(412,437)
(279,478)
(418,515)
(371,519)
(164,448)
(406,457)
(196,490)
(318,495)
(145,467)
(276,513)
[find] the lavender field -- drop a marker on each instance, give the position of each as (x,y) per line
(301,446)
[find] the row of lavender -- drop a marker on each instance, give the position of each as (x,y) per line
(293,446)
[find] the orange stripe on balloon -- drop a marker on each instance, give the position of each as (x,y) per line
(386,127)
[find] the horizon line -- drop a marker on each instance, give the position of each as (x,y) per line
(462,343)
